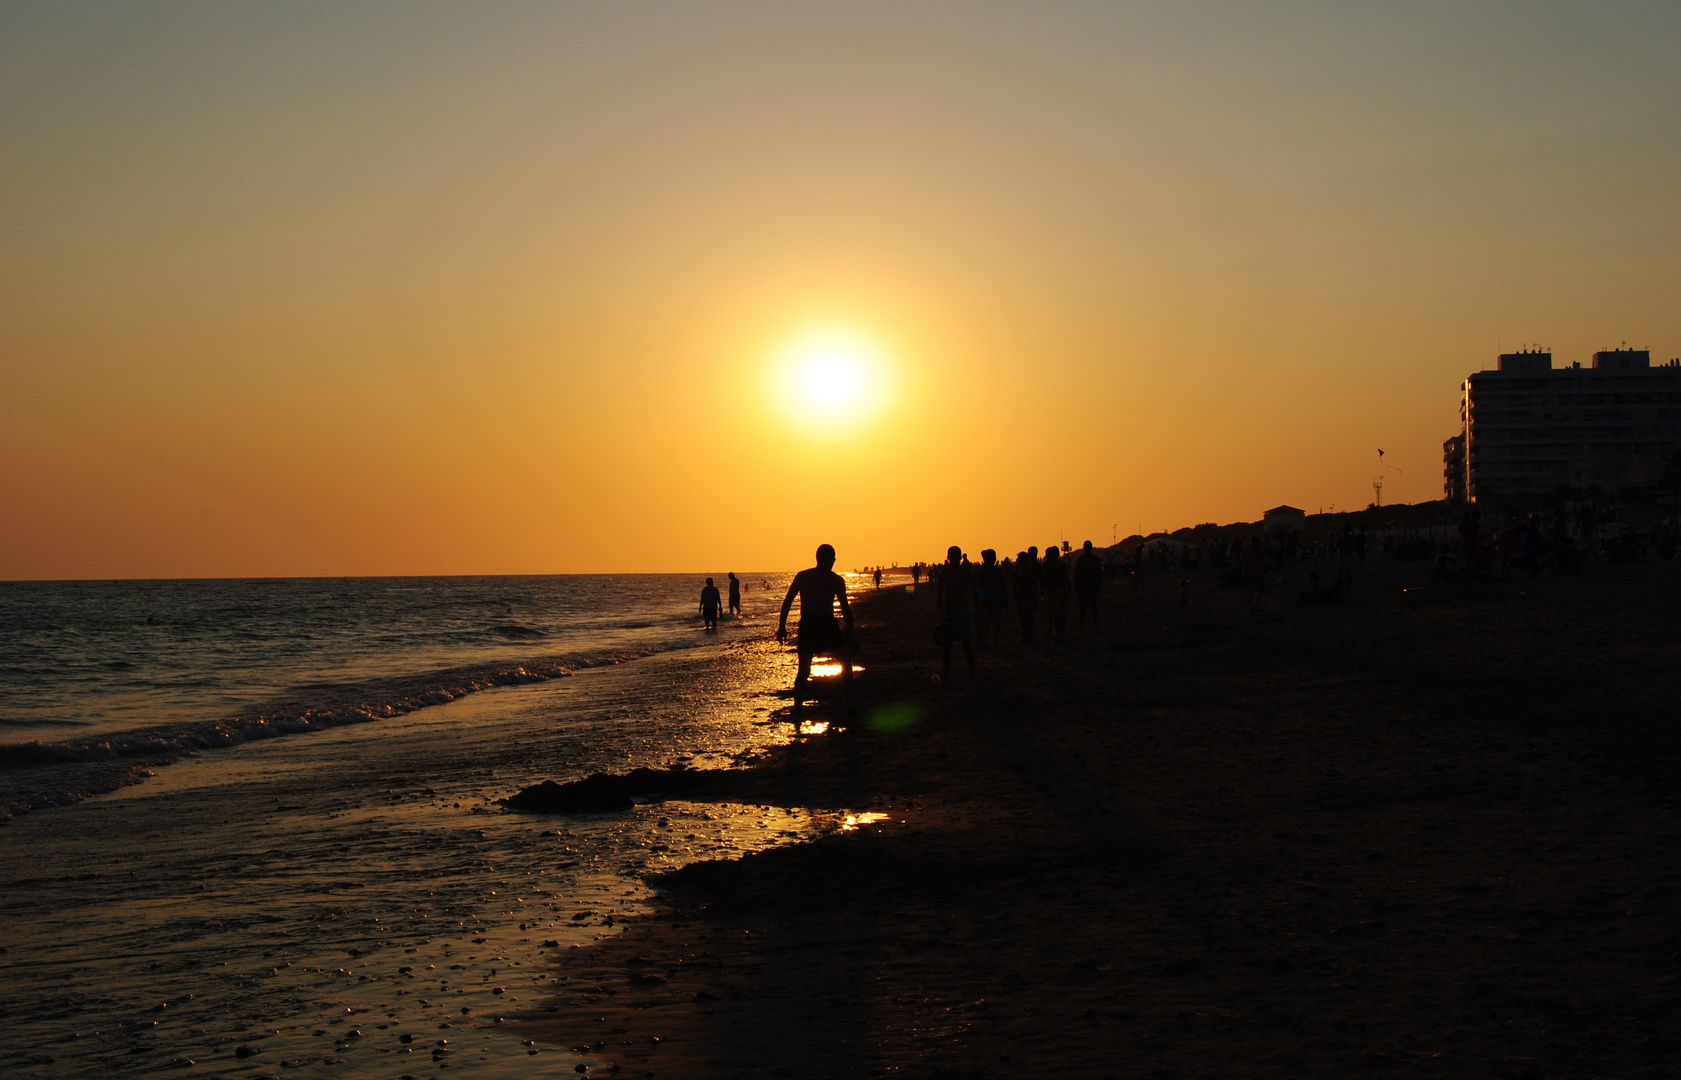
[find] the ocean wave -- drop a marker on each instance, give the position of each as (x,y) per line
(20,722)
(36,774)
(515,630)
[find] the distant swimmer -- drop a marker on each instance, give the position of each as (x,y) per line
(710,602)
(735,595)
(819,589)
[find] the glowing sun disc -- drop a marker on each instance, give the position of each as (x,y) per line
(831,379)
(827,378)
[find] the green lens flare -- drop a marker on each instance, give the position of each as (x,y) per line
(894,718)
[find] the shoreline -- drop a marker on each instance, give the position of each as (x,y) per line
(43,774)
(350,898)
(1413,833)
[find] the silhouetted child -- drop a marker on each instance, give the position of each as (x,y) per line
(1317,592)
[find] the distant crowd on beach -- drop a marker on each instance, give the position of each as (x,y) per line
(1042,590)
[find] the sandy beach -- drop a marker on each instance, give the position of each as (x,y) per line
(1419,834)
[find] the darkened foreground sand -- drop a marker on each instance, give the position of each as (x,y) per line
(1410,836)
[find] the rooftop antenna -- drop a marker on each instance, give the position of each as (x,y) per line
(1377,490)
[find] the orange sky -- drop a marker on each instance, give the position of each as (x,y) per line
(348,289)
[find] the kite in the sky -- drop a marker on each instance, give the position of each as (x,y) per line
(1397,468)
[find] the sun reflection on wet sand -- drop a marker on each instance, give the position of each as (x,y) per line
(827,667)
(356,898)
(853,821)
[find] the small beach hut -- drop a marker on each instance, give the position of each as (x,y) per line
(1285,518)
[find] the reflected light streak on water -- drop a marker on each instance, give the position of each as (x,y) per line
(354,903)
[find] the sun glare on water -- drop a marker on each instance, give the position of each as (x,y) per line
(829,379)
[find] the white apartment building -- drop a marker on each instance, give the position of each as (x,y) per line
(1529,427)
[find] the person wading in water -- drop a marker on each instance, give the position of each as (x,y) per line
(710,602)
(819,589)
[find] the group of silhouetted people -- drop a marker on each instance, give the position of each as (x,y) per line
(970,596)
(711,602)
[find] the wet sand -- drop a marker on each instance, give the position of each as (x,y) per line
(353,903)
(1415,835)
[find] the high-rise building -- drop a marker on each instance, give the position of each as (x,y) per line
(1528,427)
(1453,469)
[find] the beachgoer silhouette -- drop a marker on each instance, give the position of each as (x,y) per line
(1347,561)
(1253,563)
(819,589)
(710,602)
(916,573)
(1088,581)
(952,599)
(735,595)
(878,577)
(1027,590)
(1053,582)
(989,591)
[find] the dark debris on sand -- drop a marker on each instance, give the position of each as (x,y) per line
(601,792)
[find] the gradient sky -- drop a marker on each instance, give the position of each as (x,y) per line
(492,288)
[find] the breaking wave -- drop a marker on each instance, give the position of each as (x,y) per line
(35,775)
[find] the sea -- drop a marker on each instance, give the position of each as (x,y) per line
(254,827)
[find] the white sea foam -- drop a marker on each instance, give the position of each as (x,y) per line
(118,678)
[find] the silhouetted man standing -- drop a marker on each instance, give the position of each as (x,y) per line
(1027,590)
(819,589)
(735,595)
(956,619)
(710,602)
(1088,581)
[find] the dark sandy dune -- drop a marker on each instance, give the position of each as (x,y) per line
(1415,835)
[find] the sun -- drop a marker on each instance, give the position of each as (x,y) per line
(829,378)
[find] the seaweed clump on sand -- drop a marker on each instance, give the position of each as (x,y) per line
(603,793)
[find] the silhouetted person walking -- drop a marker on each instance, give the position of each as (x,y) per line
(735,595)
(1253,564)
(989,591)
(956,621)
(1027,590)
(819,589)
(1347,560)
(1088,581)
(710,602)
(1053,583)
